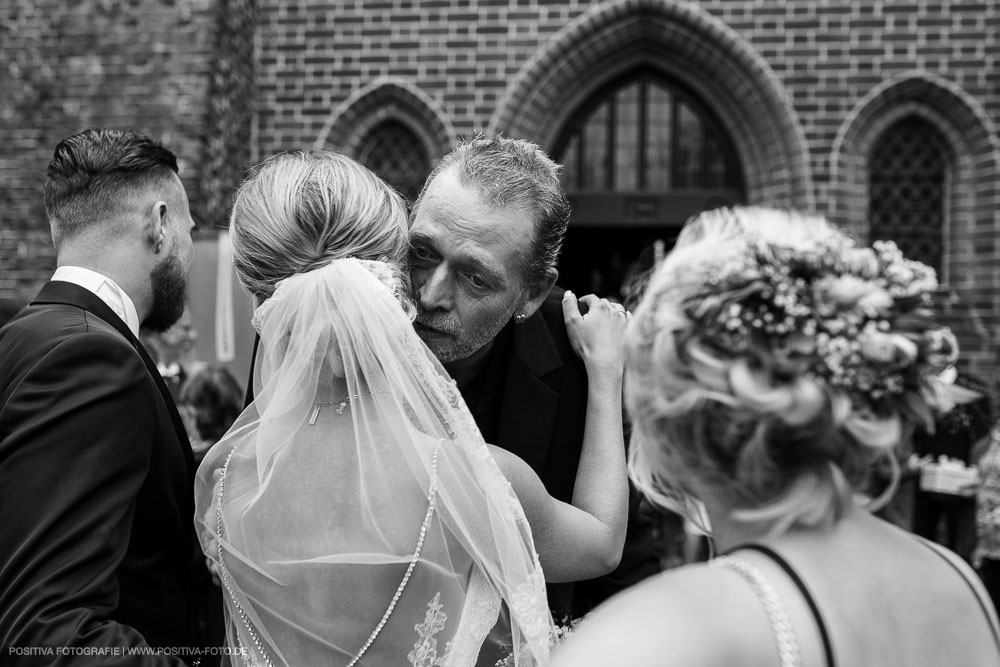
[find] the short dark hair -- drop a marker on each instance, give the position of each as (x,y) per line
(93,173)
(217,399)
(515,173)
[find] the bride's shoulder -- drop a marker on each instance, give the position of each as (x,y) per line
(680,617)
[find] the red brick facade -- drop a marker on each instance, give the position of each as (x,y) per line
(803,88)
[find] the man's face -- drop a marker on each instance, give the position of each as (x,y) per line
(466,267)
(169,276)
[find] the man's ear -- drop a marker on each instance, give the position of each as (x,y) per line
(537,294)
(155,230)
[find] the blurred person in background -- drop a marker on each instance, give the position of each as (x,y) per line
(174,352)
(986,558)
(210,402)
(949,518)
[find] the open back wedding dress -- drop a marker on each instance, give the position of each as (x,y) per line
(353,511)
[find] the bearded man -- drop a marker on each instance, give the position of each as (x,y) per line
(486,233)
(96,472)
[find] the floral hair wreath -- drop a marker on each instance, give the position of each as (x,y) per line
(857,318)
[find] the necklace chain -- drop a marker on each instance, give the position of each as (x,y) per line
(414,559)
(341,404)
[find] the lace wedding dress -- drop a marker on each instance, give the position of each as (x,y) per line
(353,511)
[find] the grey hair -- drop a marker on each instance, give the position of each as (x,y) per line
(298,211)
(515,173)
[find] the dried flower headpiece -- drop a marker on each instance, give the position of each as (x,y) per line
(857,317)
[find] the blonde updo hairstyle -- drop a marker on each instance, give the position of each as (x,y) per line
(752,427)
(298,211)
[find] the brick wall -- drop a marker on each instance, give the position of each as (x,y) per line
(803,86)
(139,64)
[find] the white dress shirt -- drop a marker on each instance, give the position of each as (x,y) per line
(106,289)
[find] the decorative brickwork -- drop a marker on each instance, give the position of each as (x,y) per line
(381,100)
(970,252)
(804,87)
(689,44)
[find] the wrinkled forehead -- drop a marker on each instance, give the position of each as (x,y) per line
(453,215)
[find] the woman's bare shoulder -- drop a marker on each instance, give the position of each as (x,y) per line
(694,616)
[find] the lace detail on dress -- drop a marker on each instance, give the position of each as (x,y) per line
(529,605)
(425,653)
(480,614)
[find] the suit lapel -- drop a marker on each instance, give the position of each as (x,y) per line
(71,294)
(530,405)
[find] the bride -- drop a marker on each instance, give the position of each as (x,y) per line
(353,512)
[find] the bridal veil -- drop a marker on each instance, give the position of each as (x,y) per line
(353,511)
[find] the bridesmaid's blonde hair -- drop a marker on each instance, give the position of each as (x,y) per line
(741,387)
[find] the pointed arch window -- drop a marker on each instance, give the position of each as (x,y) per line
(394,152)
(908,184)
(640,156)
(646,133)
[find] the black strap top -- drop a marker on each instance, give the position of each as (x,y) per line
(797,580)
(818,617)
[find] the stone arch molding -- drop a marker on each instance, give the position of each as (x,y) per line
(971,141)
(687,43)
(387,98)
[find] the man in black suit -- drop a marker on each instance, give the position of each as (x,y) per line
(486,233)
(96,473)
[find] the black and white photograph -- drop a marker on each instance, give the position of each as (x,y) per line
(499,333)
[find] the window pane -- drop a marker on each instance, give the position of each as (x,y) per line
(595,149)
(715,161)
(398,156)
(626,173)
(907,186)
(690,139)
(676,143)
(658,149)
(571,162)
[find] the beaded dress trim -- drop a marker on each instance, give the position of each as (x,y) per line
(414,559)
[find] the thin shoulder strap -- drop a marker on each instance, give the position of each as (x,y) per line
(801,585)
(976,592)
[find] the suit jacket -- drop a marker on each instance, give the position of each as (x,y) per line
(531,399)
(96,479)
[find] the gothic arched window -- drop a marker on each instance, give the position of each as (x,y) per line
(644,133)
(908,183)
(394,152)
(640,156)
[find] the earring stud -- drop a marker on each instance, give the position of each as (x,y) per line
(520,318)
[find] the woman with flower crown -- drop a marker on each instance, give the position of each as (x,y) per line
(770,362)
(353,513)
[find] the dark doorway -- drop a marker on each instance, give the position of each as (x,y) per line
(598,260)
